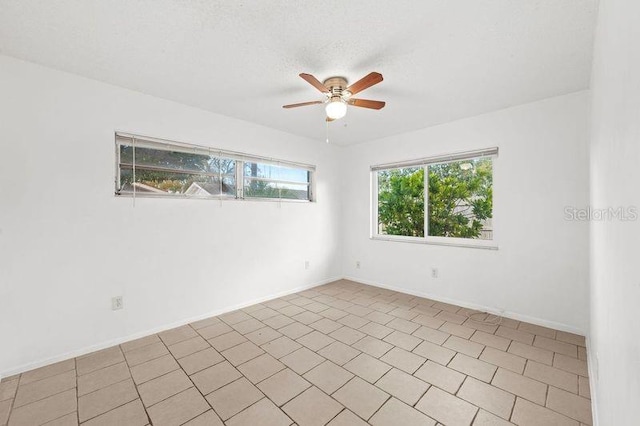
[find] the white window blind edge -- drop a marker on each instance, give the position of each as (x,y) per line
(168,145)
(487,152)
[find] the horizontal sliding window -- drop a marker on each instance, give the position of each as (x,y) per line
(445,199)
(158,168)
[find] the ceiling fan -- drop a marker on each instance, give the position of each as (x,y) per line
(338,94)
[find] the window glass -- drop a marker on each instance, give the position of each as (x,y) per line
(171,183)
(401,202)
(272,181)
(273,172)
(265,189)
(461,199)
(165,172)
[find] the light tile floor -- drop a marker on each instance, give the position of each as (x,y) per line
(339,354)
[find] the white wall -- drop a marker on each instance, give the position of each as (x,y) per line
(67,244)
(540,272)
(615,182)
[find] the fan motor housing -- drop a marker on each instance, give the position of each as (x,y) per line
(336,84)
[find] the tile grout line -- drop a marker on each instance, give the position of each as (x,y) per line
(48,377)
(389,396)
(513,408)
(75,365)
(57,418)
(135,385)
(45,397)
(189,377)
(15,394)
(111,384)
(114,408)
(339,412)
(423,394)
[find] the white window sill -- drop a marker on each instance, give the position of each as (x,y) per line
(440,241)
(213,197)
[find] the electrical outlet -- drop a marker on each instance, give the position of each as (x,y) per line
(306,264)
(357,264)
(434,272)
(116,303)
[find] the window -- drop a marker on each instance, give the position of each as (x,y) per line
(158,168)
(446,199)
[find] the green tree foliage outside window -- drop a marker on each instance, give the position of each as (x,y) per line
(460,200)
(401,202)
(176,182)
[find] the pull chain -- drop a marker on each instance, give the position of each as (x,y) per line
(279,189)
(134,171)
(327,129)
(220,177)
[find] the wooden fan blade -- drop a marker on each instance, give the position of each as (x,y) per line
(314,82)
(302,104)
(365,82)
(365,103)
(329,120)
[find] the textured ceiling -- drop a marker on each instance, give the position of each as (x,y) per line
(441,59)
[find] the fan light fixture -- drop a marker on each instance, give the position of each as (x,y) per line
(336,108)
(338,95)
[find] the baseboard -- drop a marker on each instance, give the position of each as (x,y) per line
(120,340)
(592,360)
(507,314)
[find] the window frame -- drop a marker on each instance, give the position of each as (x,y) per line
(425,163)
(240,158)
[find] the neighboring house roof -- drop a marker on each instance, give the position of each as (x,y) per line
(141,187)
(207,188)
